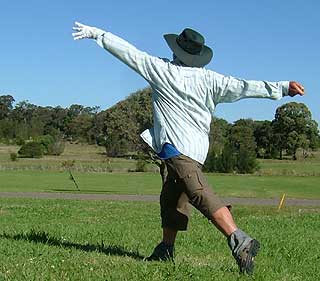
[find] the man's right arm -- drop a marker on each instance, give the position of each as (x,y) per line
(141,62)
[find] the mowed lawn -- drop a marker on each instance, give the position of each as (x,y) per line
(150,183)
(95,173)
(105,240)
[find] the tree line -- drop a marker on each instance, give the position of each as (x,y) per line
(233,147)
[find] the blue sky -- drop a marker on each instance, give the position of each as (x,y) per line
(258,40)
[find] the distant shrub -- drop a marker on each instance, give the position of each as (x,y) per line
(107,161)
(46,141)
(230,161)
(51,146)
(68,164)
(31,150)
(56,148)
(141,165)
(13,156)
(20,141)
(101,140)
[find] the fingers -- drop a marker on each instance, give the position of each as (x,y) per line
(78,24)
(296,88)
(300,89)
(77,36)
(77,28)
(85,31)
(80,34)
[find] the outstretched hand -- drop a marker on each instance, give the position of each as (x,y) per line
(86,31)
(295,88)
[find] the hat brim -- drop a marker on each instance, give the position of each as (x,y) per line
(191,60)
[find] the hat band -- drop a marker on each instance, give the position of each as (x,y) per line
(191,47)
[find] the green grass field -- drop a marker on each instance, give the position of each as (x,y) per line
(88,158)
(150,183)
(91,158)
(298,179)
(106,240)
(308,167)
(96,240)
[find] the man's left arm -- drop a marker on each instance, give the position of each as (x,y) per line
(229,89)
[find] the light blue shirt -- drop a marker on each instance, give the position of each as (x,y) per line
(184,98)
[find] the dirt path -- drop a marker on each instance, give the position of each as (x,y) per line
(151,198)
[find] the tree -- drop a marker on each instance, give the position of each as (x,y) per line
(218,158)
(7,130)
(238,152)
(265,139)
(6,105)
(294,128)
(79,127)
(218,134)
(23,112)
(226,161)
(58,119)
(75,110)
(242,141)
(125,121)
(35,127)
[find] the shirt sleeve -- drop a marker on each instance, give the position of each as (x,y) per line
(149,67)
(227,89)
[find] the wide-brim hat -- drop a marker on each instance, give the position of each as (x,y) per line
(189,47)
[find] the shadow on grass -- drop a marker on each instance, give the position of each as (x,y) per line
(45,238)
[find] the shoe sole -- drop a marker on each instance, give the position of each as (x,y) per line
(248,264)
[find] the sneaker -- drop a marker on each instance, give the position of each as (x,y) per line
(244,249)
(245,258)
(162,252)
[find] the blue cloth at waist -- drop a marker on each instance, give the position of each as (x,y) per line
(168,151)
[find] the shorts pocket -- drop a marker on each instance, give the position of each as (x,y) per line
(192,183)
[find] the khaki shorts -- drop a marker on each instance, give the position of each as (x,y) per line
(184,184)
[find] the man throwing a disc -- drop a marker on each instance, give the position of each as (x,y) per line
(184,98)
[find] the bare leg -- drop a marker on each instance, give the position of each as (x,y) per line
(169,236)
(223,220)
